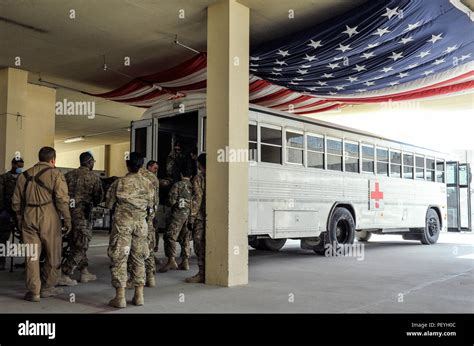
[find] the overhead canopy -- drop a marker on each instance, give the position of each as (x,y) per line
(385,50)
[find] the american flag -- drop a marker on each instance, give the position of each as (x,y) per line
(391,50)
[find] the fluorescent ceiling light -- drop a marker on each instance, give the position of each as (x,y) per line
(74,139)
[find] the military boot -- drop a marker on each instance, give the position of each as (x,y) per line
(31,297)
(119,300)
(150,280)
(196,279)
(86,276)
(170,265)
(65,280)
(184,265)
(51,292)
(138,297)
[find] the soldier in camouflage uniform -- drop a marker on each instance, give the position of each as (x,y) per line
(7,216)
(197,219)
(85,192)
(174,163)
(180,202)
(133,198)
(150,267)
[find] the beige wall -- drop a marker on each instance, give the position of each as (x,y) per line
(110,158)
(116,159)
(70,159)
(34,127)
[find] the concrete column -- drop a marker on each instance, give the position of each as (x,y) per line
(227,129)
(26,117)
(13,93)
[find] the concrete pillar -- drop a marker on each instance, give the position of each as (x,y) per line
(26,117)
(227,127)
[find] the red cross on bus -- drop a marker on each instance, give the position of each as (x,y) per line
(377,195)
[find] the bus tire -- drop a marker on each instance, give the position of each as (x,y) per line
(271,244)
(253,242)
(363,235)
(432,228)
(341,229)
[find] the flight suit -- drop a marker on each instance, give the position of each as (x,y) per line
(131,197)
(38,208)
(180,201)
(7,216)
(85,192)
(198,219)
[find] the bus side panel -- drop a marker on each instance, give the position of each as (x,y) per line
(282,192)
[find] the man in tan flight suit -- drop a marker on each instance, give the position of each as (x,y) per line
(40,196)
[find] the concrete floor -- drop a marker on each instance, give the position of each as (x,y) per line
(428,279)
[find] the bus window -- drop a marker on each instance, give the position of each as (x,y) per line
(382,161)
(408,166)
(315,151)
(368,157)
(253,152)
(270,145)
(420,168)
(294,147)
(351,157)
(440,171)
(395,164)
(430,169)
(334,157)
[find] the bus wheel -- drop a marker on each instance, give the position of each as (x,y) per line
(341,228)
(253,242)
(363,235)
(430,234)
(271,244)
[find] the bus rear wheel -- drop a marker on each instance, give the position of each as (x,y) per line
(432,228)
(253,242)
(341,231)
(271,244)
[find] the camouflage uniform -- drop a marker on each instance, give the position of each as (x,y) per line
(133,196)
(150,266)
(85,191)
(173,164)
(7,216)
(198,217)
(180,202)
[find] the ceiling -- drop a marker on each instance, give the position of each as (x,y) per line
(143,30)
(70,51)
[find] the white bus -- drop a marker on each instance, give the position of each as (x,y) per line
(315,181)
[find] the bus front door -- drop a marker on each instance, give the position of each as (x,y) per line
(458,180)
